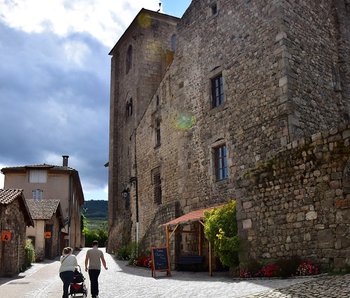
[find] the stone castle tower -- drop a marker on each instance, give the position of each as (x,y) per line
(248,90)
(139,61)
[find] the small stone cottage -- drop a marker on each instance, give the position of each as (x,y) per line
(45,234)
(14,217)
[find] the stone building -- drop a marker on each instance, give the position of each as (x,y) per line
(46,233)
(253,107)
(52,182)
(14,218)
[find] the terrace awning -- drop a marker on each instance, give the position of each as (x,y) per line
(193,216)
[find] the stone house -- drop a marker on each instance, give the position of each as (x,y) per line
(46,233)
(253,107)
(14,218)
(52,182)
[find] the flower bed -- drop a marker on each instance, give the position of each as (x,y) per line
(279,268)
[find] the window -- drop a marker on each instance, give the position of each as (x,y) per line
(37,176)
(214,9)
(129,108)
(220,162)
(128,64)
(217,91)
(37,194)
(157,132)
(157,186)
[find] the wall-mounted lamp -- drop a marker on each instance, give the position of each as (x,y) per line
(126,197)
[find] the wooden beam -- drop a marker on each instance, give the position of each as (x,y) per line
(210,260)
(199,239)
(167,236)
(173,231)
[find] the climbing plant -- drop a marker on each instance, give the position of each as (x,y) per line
(220,227)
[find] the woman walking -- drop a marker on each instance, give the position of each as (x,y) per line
(68,264)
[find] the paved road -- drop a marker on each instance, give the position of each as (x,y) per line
(42,281)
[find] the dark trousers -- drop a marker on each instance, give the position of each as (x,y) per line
(93,275)
(67,278)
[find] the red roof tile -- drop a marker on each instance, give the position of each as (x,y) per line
(190,217)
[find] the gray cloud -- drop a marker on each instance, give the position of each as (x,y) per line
(54,100)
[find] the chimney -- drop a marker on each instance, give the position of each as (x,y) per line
(65,160)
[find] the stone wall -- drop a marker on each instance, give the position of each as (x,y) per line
(298,202)
(280,84)
(321,99)
(12,256)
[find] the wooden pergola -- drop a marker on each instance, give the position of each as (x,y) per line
(194,216)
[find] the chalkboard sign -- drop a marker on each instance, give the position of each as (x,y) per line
(160,260)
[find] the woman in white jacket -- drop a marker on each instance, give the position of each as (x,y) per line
(68,264)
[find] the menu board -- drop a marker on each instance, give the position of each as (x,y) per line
(160,260)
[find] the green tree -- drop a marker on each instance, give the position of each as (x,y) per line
(220,227)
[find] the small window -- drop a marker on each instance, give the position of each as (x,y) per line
(220,162)
(157,101)
(129,108)
(217,91)
(157,186)
(128,64)
(157,132)
(37,176)
(37,194)
(214,9)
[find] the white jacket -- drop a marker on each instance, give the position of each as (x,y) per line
(68,263)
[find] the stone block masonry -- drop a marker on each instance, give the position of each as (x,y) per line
(298,202)
(284,72)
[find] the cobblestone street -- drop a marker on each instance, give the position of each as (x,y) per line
(124,281)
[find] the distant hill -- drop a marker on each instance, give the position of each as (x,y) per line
(96,209)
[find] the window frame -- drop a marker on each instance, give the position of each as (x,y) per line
(37,194)
(217,90)
(37,176)
(220,162)
(157,133)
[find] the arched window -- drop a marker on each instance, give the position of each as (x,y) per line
(128,59)
(129,108)
(173,42)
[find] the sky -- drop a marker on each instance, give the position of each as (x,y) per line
(54,81)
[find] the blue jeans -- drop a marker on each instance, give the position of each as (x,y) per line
(93,274)
(67,278)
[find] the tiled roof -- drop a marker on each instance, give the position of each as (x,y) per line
(7,196)
(42,209)
(190,217)
(38,166)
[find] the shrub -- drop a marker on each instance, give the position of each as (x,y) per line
(220,227)
(280,268)
(129,252)
(29,254)
(307,268)
(100,234)
(144,261)
(269,270)
(289,266)
(250,268)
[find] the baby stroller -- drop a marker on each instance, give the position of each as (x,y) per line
(77,287)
